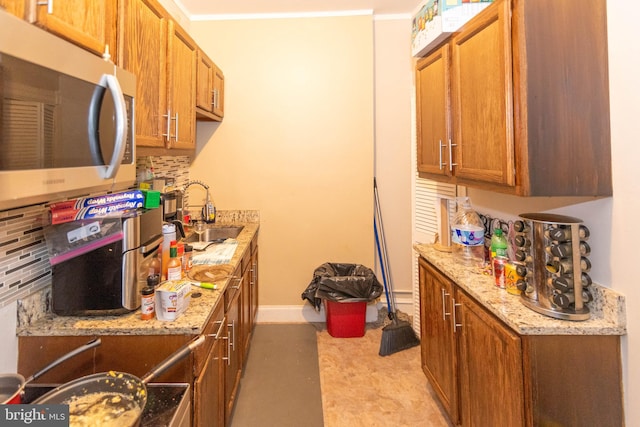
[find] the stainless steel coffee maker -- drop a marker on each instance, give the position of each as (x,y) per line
(552,257)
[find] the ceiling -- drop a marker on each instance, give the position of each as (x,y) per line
(193,8)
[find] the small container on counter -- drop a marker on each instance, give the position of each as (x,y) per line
(148,306)
(174,267)
(187,261)
(511,278)
(499,263)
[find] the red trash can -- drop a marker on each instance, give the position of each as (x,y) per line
(345,319)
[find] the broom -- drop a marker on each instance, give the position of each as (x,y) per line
(398,335)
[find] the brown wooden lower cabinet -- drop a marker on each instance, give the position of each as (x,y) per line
(486,374)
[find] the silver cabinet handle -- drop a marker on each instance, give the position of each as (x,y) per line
(444,306)
(254,273)
(451,164)
(231,340)
(453,310)
(233,334)
(168,134)
(177,121)
(217,334)
(49,6)
(228,356)
(440,154)
(169,119)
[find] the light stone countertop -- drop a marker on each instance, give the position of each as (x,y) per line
(607,309)
(191,322)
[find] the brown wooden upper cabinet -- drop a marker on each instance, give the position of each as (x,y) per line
(163,56)
(523,95)
(89,24)
(434,113)
(210,89)
(182,88)
(14,7)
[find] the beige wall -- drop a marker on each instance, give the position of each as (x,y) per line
(393,93)
(296,142)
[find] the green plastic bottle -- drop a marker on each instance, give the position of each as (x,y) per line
(498,244)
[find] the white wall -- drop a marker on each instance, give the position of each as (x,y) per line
(613,241)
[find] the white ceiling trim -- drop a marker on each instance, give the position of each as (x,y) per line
(248,16)
(392,17)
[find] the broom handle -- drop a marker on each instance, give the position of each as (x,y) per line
(385,258)
(384,276)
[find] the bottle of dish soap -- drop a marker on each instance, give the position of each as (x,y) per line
(467,235)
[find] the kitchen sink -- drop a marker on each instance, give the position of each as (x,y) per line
(216,232)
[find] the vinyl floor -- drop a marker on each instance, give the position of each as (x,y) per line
(299,375)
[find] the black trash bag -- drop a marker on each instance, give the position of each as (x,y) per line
(342,283)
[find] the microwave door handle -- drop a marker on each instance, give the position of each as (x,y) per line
(110,82)
(121,124)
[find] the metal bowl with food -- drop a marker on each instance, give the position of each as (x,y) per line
(111,398)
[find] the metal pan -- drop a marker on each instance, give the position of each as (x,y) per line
(115,398)
(12,385)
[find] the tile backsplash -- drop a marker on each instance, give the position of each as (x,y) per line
(24,261)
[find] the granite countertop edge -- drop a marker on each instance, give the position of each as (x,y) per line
(191,322)
(508,307)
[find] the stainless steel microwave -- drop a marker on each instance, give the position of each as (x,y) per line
(66,118)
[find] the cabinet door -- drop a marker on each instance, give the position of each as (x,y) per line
(208,391)
(491,373)
(483,98)
(218,93)
(14,7)
(437,338)
(234,356)
(90,24)
(204,85)
(143,47)
(254,284)
(246,311)
(182,88)
(433,113)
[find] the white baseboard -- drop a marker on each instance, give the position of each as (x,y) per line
(306,313)
(404,301)
(303,314)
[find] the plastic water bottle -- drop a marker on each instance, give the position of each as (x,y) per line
(467,235)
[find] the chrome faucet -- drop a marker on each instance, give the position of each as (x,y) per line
(208,210)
